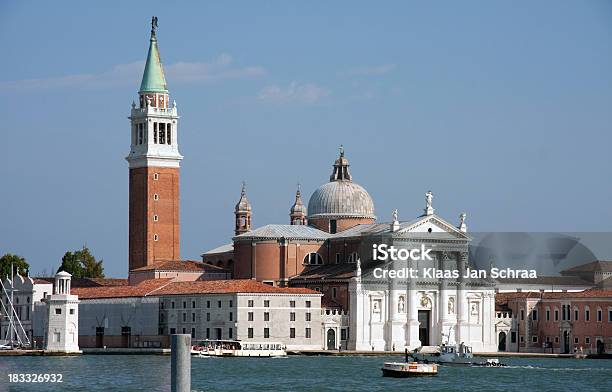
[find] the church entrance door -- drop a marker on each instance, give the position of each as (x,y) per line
(424,317)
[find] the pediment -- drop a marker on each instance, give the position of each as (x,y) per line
(433,224)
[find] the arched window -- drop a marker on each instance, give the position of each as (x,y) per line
(313,258)
(353,257)
(587,314)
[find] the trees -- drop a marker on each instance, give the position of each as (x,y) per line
(21,266)
(82,264)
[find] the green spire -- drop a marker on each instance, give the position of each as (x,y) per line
(153,79)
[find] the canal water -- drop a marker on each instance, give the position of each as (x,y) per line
(109,373)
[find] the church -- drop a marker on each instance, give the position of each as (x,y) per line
(327,247)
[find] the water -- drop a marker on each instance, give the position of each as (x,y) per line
(110,373)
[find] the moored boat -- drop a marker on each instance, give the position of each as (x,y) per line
(235,348)
(447,355)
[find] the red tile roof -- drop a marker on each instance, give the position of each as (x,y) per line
(180,265)
(501,298)
(142,289)
(156,287)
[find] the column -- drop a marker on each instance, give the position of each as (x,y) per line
(412,326)
(443,321)
(461,301)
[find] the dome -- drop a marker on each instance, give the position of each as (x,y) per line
(341,199)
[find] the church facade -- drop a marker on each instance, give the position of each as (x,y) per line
(327,247)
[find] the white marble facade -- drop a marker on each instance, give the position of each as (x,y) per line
(394,314)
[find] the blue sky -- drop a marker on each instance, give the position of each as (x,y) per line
(502,109)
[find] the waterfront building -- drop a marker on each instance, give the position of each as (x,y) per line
(331,254)
(26,292)
(61,325)
(555,322)
(145,314)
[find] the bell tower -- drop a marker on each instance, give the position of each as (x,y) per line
(243,213)
(154,162)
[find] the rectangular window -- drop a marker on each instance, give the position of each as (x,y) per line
(308,316)
(307,333)
(231,316)
(162,133)
(172,305)
(292,316)
(266,304)
(250,333)
(334,292)
(576,340)
(522,314)
(250,303)
(556,339)
(58,311)
(547,315)
(218,304)
(172,331)
(266,316)
(184,331)
(576,314)
(599,315)
(266,333)
(155,132)
(250,316)
(207,333)
(587,340)
(338,258)
(292,333)
(207,316)
(193,332)
(184,317)
(169,135)
(343,334)
(208,304)
(193,316)
(610,315)
(292,305)
(522,339)
(230,333)
(184,304)
(534,315)
(556,314)
(587,315)
(193,305)
(534,339)
(307,304)
(231,303)
(71,312)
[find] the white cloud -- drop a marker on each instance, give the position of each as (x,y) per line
(220,68)
(371,70)
(293,93)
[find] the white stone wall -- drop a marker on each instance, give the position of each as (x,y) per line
(210,317)
(141,314)
(62,323)
(279,323)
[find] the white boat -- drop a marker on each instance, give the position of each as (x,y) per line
(409,369)
(447,355)
(235,348)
